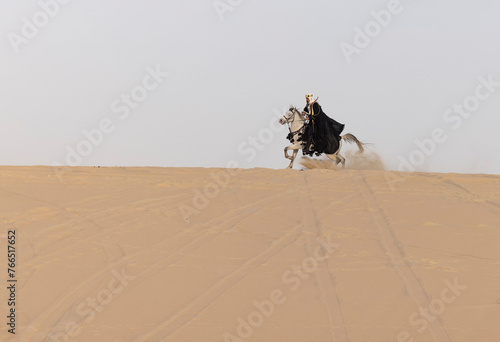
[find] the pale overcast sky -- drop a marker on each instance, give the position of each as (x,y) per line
(70,67)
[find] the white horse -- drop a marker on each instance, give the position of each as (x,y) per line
(296,125)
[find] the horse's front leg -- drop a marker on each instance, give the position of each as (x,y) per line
(295,148)
(293,158)
(286,152)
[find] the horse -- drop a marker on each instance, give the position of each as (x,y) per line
(296,125)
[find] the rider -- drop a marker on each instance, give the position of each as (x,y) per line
(320,129)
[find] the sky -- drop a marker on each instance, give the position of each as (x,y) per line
(202,83)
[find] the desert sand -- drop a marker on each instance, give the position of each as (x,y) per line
(213,255)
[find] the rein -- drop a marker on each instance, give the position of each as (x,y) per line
(289,123)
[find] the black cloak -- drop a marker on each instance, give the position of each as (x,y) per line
(322,134)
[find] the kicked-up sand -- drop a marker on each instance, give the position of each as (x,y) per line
(214,255)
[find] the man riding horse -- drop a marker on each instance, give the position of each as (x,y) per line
(322,133)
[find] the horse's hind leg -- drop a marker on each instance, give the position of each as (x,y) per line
(341,159)
(337,158)
(333,157)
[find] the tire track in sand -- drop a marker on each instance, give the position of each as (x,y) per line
(175,255)
(393,248)
(219,225)
(325,279)
(112,251)
(201,302)
(456,189)
(344,201)
(182,321)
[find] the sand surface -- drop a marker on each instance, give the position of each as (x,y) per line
(141,254)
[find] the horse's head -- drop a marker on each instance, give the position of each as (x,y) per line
(289,115)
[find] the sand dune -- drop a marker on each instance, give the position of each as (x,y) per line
(187,254)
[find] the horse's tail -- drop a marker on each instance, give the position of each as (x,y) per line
(350,138)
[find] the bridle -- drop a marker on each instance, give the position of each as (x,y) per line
(290,122)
